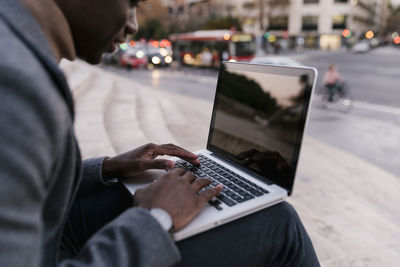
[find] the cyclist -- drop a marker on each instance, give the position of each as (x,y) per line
(333,81)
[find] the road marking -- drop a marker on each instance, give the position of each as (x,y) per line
(376,107)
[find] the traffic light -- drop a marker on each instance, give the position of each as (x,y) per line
(346,33)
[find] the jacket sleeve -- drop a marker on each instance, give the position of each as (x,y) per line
(28,145)
(26,156)
(134,238)
(92,175)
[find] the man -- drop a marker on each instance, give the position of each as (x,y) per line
(333,81)
(56,211)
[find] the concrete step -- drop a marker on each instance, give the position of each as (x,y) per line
(150,116)
(90,109)
(348,202)
(121,119)
(79,76)
(188,118)
(139,114)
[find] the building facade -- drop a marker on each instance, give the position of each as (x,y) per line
(309,23)
(313,23)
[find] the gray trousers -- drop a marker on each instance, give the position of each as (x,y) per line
(272,237)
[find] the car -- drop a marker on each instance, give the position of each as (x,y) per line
(361,47)
(134,58)
(276,60)
(159,56)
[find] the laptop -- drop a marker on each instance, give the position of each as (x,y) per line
(254,141)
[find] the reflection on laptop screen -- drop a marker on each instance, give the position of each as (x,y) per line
(259,116)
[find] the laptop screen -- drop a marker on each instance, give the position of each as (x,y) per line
(259,117)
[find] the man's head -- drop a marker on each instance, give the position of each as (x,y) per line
(97,25)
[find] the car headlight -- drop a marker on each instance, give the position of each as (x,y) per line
(139,54)
(163,52)
(168,59)
(156,60)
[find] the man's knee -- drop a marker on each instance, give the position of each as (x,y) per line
(285,212)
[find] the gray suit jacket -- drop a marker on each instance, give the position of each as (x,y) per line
(40,165)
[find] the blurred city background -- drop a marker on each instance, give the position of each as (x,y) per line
(159,87)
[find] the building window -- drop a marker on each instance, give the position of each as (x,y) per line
(181,9)
(341,1)
(339,22)
(311,1)
(279,23)
(310,23)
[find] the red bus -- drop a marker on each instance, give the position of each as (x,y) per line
(209,48)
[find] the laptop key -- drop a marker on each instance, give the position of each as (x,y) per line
(218,207)
(235,188)
(197,172)
(219,179)
(265,191)
(225,182)
(248,196)
(228,184)
(230,193)
(214,183)
(236,198)
(256,193)
(241,192)
(209,172)
(226,200)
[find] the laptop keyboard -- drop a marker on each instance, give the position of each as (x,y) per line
(236,188)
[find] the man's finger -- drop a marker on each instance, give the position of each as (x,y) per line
(179,172)
(176,151)
(161,164)
(209,194)
(200,183)
(189,177)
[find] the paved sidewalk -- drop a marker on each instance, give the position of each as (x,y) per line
(348,205)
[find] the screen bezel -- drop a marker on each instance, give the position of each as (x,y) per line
(267,69)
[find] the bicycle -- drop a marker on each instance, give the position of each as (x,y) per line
(337,98)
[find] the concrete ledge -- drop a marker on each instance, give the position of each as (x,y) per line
(121,119)
(346,202)
(90,108)
(79,76)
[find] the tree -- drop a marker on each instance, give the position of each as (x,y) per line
(151,29)
(227,22)
(153,20)
(394,19)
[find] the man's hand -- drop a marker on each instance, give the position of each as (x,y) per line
(143,158)
(175,192)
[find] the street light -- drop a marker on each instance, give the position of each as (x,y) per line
(369,35)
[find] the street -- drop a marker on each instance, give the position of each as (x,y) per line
(371,130)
